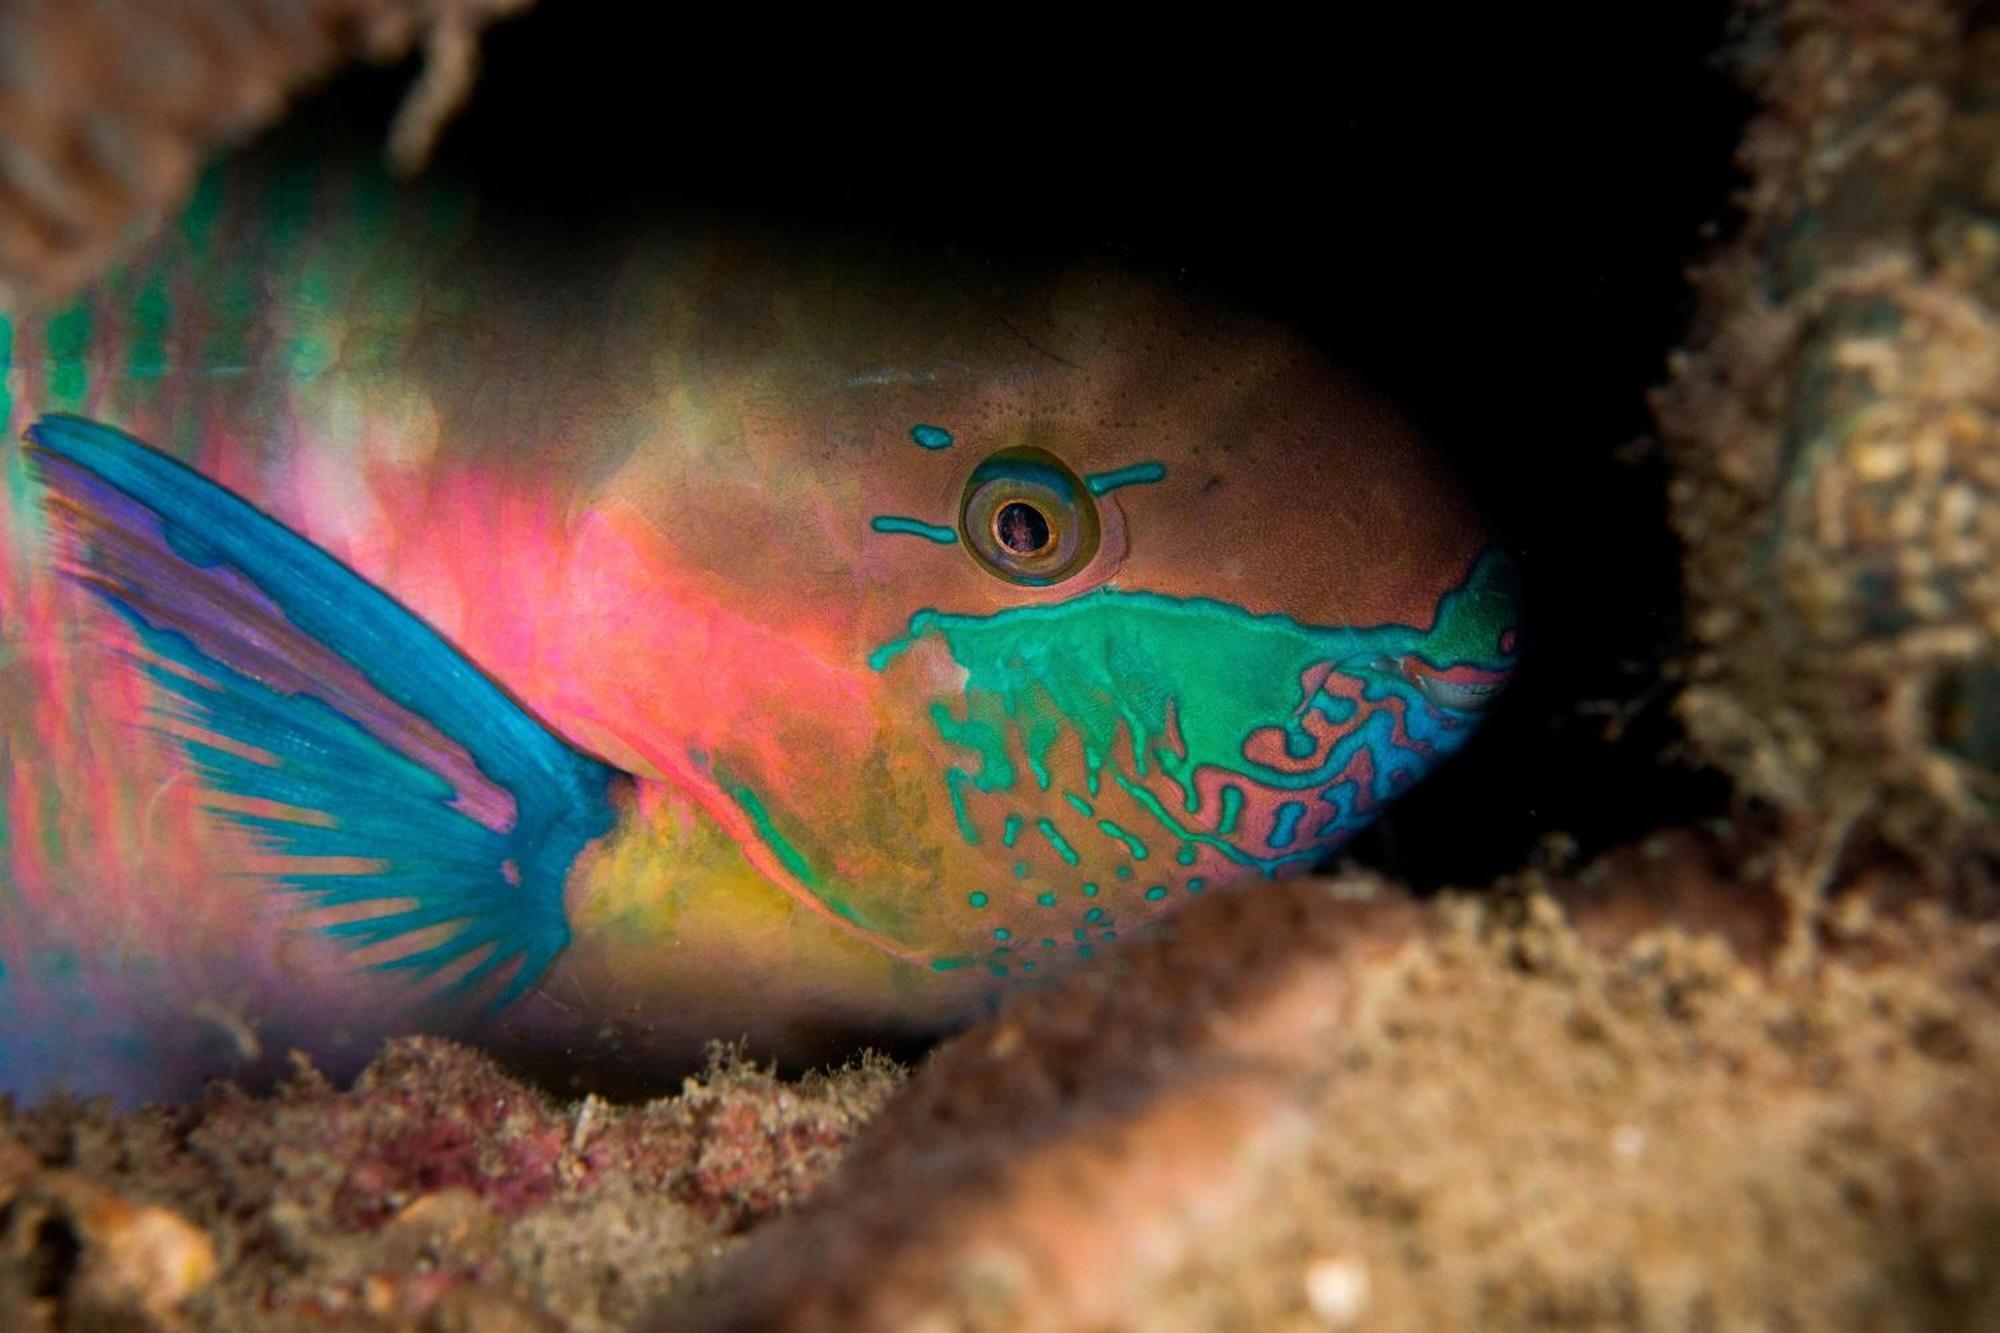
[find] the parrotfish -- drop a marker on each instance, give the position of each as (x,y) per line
(604,651)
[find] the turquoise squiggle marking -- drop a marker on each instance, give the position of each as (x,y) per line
(1267,864)
(1285,825)
(955,780)
(1133,846)
(1139,474)
(931,437)
(914,527)
(1057,841)
(1148,682)
(1232,809)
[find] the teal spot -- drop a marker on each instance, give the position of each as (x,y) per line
(1108,935)
(977,899)
(1133,846)
(1285,824)
(1097,916)
(147,330)
(950,964)
(1020,870)
(954,781)
(931,437)
(1139,474)
(1039,737)
(1196,885)
(1045,900)
(1090,890)
(1077,803)
(1002,933)
(1057,841)
(1027,965)
(203,208)
(1048,944)
(1186,854)
(68,338)
(1079,934)
(309,355)
(1157,892)
(1010,832)
(1124,872)
(913,527)
(1084,951)
(997,969)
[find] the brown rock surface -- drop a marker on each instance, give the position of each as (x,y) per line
(1316,1109)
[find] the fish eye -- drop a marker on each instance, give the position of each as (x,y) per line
(1022,528)
(1027,518)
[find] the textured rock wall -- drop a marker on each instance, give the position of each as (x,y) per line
(1835,428)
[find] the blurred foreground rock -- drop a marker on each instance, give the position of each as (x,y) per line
(1310,1110)
(108,106)
(1586,1103)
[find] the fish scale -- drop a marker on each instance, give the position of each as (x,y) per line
(593,646)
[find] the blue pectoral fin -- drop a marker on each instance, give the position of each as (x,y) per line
(294,681)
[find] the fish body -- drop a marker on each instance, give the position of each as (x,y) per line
(600,653)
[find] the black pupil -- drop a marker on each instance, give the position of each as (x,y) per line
(1022,528)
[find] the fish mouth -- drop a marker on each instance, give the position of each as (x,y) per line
(1458,689)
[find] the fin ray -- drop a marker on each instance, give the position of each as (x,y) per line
(258,640)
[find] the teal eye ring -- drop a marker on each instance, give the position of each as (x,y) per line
(1028,519)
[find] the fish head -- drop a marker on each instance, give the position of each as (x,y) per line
(1099,607)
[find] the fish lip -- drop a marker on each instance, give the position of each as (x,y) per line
(1462,688)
